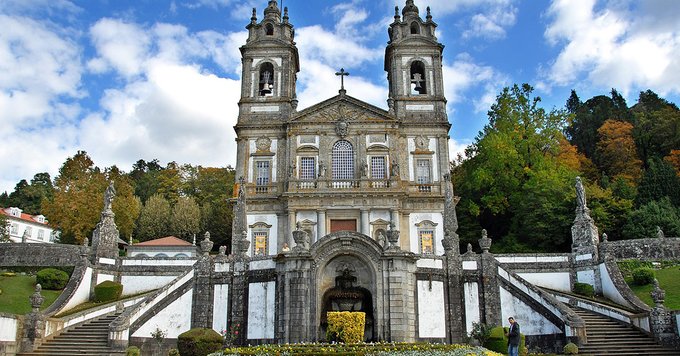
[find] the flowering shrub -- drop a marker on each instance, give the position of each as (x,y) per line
(231,335)
(346,327)
(377,349)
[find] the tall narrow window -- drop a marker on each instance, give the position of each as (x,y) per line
(378,168)
(343,161)
(423,171)
(307,168)
(266,79)
(14,229)
(262,174)
(418,84)
(41,234)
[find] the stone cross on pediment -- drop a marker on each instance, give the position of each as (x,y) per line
(342,75)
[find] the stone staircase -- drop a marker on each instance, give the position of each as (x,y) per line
(88,338)
(606,336)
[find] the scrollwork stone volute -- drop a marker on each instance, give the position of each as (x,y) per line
(206,244)
(485,242)
(263,144)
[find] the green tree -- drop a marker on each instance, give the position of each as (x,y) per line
(186,218)
(659,181)
(643,221)
(126,206)
(29,197)
(145,177)
(213,188)
(512,182)
(4,228)
(170,183)
(154,219)
(617,152)
(657,126)
(78,198)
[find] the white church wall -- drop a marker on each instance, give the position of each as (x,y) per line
(101,277)
(269,219)
(82,293)
(471,293)
(138,284)
(173,319)
(220,307)
(436,218)
(530,321)
(431,310)
(379,214)
(553,280)
(609,290)
(587,276)
(432,146)
(261,304)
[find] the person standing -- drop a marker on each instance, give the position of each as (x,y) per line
(513,337)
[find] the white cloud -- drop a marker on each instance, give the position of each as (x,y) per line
(487,19)
(491,25)
(620,45)
(122,47)
(316,43)
(457,148)
(40,75)
(464,76)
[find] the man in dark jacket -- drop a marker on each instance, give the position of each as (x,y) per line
(513,337)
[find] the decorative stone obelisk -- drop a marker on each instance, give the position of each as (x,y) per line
(239,223)
(105,235)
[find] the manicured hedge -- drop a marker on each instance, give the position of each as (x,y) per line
(199,342)
(584,289)
(499,342)
(570,349)
(361,349)
(132,351)
(51,278)
(107,291)
(643,276)
(347,327)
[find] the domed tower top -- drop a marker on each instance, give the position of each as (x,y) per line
(410,9)
(272,11)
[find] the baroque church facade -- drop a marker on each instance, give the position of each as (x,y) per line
(350,195)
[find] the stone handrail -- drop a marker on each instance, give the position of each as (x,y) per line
(574,325)
(639,320)
(119,329)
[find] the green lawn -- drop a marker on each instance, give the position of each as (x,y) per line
(669,281)
(15,293)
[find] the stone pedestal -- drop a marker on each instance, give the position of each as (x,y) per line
(295,305)
(399,289)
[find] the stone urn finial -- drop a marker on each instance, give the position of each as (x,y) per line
(393,237)
(300,238)
(206,244)
(36,298)
(485,242)
(244,244)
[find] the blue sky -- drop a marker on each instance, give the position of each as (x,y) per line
(145,79)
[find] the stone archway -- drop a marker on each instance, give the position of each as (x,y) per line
(348,276)
(344,286)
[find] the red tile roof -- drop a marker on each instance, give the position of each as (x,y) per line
(24,216)
(165,241)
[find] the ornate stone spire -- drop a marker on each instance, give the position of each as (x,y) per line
(239,222)
(105,236)
(584,233)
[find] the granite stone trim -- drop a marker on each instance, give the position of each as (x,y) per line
(667,248)
(68,292)
(40,254)
(623,288)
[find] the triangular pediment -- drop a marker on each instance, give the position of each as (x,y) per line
(342,108)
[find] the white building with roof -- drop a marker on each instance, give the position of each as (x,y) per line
(31,228)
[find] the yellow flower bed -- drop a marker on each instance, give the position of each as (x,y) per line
(347,327)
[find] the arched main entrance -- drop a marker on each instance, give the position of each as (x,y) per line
(349,292)
(348,278)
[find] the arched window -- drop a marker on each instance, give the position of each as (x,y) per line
(343,161)
(418,84)
(269,29)
(415,28)
(266,79)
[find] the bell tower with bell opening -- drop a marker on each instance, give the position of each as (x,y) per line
(413,62)
(270,64)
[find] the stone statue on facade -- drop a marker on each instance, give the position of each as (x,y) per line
(580,196)
(322,170)
(381,239)
(109,194)
(659,232)
(395,168)
(363,168)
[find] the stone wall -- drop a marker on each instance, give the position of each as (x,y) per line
(644,249)
(25,254)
